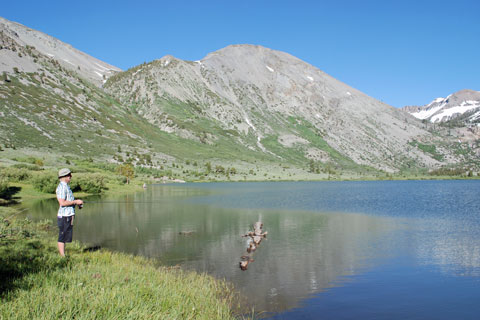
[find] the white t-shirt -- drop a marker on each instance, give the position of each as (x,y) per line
(64,192)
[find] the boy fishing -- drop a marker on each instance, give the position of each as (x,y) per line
(66,211)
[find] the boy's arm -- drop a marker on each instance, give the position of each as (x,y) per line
(62,197)
(65,203)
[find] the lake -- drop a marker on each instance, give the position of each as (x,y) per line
(334,250)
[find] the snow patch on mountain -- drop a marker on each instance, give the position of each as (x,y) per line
(465,106)
(445,109)
(427,113)
(250,124)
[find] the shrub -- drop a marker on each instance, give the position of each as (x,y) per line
(46,182)
(14,174)
(27,166)
(103,166)
(89,183)
(118,179)
(208,167)
(447,172)
(127,171)
(3,188)
(27,160)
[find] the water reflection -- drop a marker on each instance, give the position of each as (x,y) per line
(306,252)
(453,245)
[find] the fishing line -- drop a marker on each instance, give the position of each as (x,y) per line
(121,202)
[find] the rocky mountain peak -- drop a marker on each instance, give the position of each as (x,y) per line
(166,60)
(463,96)
(445,109)
(239,49)
(245,56)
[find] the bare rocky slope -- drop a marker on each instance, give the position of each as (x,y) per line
(86,66)
(244,105)
(274,103)
(51,100)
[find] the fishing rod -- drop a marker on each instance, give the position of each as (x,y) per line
(121,201)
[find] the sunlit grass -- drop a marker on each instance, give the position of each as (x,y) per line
(38,284)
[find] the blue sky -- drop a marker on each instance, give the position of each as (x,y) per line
(400,52)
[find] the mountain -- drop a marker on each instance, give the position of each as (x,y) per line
(263,111)
(464,102)
(51,100)
(94,70)
(271,102)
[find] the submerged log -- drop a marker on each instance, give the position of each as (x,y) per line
(256,237)
(186,233)
(253,234)
(244,264)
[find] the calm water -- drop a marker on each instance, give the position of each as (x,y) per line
(335,250)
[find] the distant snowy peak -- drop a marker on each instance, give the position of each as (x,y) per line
(451,107)
(89,67)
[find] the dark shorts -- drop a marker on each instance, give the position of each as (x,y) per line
(65,229)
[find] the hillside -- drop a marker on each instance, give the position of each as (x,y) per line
(52,108)
(243,106)
(273,103)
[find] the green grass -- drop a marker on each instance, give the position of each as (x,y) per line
(339,161)
(38,284)
(428,148)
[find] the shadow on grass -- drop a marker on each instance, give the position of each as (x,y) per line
(92,249)
(7,196)
(19,258)
(23,250)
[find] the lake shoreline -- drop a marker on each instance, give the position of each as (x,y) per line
(191,294)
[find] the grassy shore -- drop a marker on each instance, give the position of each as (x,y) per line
(38,284)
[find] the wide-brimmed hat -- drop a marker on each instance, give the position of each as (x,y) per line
(64,172)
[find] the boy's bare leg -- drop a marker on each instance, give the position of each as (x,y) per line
(61,248)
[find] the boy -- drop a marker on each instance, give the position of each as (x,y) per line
(66,212)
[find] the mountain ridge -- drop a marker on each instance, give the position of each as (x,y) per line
(273,81)
(243,103)
(87,66)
